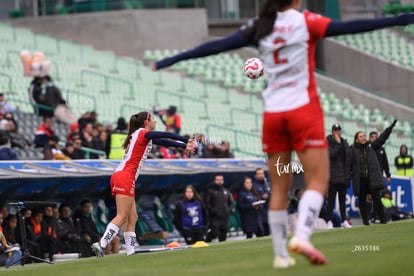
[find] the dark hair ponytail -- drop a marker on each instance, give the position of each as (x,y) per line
(135,122)
(267,16)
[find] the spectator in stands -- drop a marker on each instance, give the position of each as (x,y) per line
(35,91)
(219,203)
(6,152)
(211,150)
(8,123)
(87,118)
(99,143)
(5,107)
(43,132)
(89,232)
(367,178)
(225,150)
(172,121)
(52,150)
(114,149)
(169,153)
(68,234)
(339,177)
(262,186)
(78,152)
(73,130)
(190,216)
(86,135)
(9,228)
(7,258)
(404,162)
(249,205)
(382,157)
(10,126)
(47,95)
(392,212)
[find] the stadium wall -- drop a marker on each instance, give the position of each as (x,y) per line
(391,81)
(127,33)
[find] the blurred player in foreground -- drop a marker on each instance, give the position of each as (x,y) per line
(293,117)
(137,145)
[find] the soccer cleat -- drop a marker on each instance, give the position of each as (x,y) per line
(330,225)
(306,249)
(283,262)
(346,224)
(97,250)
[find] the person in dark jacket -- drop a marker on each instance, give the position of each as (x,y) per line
(219,202)
(382,157)
(367,179)
(249,206)
(262,186)
(190,216)
(6,152)
(339,181)
(49,228)
(9,228)
(89,231)
(69,234)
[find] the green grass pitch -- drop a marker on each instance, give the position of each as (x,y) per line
(373,250)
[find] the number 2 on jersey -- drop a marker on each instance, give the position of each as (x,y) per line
(276,57)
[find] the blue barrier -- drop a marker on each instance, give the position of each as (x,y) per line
(401,190)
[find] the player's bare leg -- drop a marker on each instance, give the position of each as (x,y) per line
(124,204)
(316,172)
(278,216)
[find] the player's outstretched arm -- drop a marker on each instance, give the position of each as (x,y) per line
(190,146)
(165,135)
(230,42)
(365,25)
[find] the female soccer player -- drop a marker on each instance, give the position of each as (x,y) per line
(137,145)
(293,117)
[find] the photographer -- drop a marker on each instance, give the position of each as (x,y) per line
(173,121)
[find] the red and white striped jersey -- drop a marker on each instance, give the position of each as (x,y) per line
(135,154)
(288,53)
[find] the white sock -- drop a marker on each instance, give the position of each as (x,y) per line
(130,241)
(278,222)
(308,210)
(110,232)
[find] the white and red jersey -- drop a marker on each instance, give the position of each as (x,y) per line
(135,155)
(288,53)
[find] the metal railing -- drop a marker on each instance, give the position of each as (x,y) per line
(135,109)
(9,80)
(181,98)
(107,79)
(256,116)
(235,132)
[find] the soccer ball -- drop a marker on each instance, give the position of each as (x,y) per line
(253,68)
